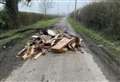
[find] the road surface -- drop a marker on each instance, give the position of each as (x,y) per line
(65,67)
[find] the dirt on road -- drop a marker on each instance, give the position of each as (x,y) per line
(65,67)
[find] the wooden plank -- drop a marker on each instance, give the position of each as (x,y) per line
(38,55)
(21,52)
(61,44)
(25,56)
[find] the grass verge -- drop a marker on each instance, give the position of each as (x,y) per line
(97,38)
(15,35)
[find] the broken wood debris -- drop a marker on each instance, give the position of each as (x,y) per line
(49,40)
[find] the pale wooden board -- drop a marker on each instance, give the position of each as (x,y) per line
(61,44)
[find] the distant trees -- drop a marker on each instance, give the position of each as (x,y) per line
(103,17)
(44,5)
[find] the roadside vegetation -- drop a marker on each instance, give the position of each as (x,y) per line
(100,21)
(27,18)
(96,37)
(24,17)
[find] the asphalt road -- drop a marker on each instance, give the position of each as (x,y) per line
(65,67)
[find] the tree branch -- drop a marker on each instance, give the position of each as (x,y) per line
(2,2)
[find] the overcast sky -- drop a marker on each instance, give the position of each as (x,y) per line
(58,6)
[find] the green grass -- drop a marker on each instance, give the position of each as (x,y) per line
(23,32)
(96,37)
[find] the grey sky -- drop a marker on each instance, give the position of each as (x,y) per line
(59,6)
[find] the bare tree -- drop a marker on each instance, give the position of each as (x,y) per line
(75,9)
(2,2)
(45,5)
(12,10)
(11,7)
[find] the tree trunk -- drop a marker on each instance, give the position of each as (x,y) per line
(12,11)
(45,12)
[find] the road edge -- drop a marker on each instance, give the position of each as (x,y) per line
(102,53)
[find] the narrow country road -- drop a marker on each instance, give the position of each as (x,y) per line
(65,67)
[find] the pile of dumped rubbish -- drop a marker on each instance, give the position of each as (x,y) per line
(53,40)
